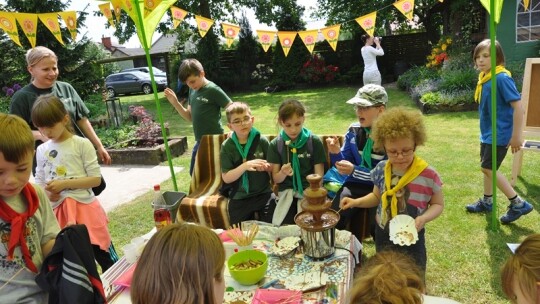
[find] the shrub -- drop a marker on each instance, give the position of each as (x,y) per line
(458,80)
(439,53)
(425,86)
(354,75)
(316,71)
(448,98)
(116,137)
(414,76)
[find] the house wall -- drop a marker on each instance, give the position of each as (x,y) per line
(506,35)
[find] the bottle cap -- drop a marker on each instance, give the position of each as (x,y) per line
(157,188)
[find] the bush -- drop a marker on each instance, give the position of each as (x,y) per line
(4,104)
(414,76)
(458,79)
(353,76)
(448,98)
(425,86)
(316,71)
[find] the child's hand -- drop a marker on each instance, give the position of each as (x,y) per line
(55,186)
(344,167)
(419,222)
(53,197)
(333,145)
(286,169)
(515,143)
(170,95)
(346,203)
(257,165)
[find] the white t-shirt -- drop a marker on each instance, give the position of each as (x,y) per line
(370,58)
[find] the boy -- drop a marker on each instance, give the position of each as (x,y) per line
(205,101)
(245,171)
(27,224)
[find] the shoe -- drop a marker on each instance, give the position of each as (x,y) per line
(514,213)
(479,206)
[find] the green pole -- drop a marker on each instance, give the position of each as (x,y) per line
(493,55)
(154,88)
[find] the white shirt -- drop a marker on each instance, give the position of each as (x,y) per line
(370,58)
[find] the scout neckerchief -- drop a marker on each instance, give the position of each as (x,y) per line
(18,224)
(244,153)
(484,77)
(297,144)
(418,165)
(366,152)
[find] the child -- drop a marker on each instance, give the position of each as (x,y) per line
(205,101)
(357,157)
(509,130)
(197,276)
(403,184)
(28,227)
(520,274)
(294,154)
(67,168)
(244,165)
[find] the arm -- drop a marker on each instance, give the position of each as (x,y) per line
(378,49)
(47,247)
(435,208)
(173,100)
(75,183)
(250,165)
(279,172)
(88,130)
(370,200)
(516,141)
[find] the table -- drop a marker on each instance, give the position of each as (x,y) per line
(325,281)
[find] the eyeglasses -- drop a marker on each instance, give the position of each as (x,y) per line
(361,108)
(244,121)
(404,153)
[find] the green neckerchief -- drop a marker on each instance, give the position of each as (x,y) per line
(244,153)
(297,144)
(366,152)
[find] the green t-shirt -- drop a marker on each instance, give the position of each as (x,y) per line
(206,104)
(307,161)
(259,182)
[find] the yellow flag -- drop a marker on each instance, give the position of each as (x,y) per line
(231,31)
(9,25)
(28,23)
(406,7)
(70,18)
(117,8)
(150,5)
(105,8)
(204,24)
(51,22)
(286,39)
(498,8)
(331,34)
(178,15)
(266,38)
(309,38)
(128,7)
(367,22)
(526,4)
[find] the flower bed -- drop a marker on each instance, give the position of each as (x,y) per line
(138,154)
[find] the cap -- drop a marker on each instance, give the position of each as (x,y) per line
(369,95)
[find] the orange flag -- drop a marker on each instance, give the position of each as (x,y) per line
(231,31)
(309,38)
(331,34)
(406,7)
(70,18)
(117,8)
(367,22)
(105,8)
(266,38)
(178,15)
(204,24)
(9,25)
(28,23)
(286,39)
(51,22)
(149,6)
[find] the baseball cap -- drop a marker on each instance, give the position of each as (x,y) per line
(369,95)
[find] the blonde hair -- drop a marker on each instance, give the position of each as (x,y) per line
(397,123)
(524,267)
(35,55)
(178,265)
(389,277)
(16,139)
(486,44)
(237,107)
(49,110)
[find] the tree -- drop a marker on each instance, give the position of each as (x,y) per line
(247,52)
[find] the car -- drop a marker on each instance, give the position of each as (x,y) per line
(157,72)
(132,82)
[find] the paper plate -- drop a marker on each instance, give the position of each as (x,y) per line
(285,246)
(403,230)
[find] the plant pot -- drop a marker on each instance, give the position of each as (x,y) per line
(138,155)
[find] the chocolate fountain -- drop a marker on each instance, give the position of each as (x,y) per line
(317,221)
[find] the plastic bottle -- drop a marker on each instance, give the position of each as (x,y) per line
(162,215)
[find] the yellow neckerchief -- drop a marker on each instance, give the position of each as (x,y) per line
(484,77)
(418,165)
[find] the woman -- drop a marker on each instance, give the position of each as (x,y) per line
(181,264)
(369,54)
(42,64)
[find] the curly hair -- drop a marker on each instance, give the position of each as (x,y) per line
(397,123)
(389,277)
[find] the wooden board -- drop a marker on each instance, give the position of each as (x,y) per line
(530,96)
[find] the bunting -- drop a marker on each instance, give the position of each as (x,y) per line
(51,22)
(28,23)
(178,15)
(367,22)
(331,34)
(286,39)
(150,5)
(526,4)
(406,7)
(231,31)
(105,8)
(9,25)
(266,38)
(204,24)
(70,19)
(309,38)
(498,8)
(117,9)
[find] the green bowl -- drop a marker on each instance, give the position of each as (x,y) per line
(252,275)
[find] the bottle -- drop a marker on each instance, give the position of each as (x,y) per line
(162,215)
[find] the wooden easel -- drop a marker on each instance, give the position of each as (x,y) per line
(530,97)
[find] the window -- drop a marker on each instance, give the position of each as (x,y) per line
(528,21)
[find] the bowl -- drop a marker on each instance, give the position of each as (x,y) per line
(250,275)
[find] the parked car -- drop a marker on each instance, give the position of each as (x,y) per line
(132,82)
(157,72)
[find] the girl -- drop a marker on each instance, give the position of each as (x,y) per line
(197,276)
(369,55)
(67,168)
(294,154)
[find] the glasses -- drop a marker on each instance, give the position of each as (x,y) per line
(244,121)
(361,108)
(404,153)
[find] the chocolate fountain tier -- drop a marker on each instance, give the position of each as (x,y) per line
(315,208)
(306,220)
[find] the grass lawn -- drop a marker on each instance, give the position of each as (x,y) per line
(464,254)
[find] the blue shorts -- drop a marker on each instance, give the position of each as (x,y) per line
(485,155)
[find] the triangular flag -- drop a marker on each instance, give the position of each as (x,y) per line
(231,31)
(70,18)
(51,22)
(149,22)
(105,8)
(150,5)
(406,7)
(28,23)
(117,9)
(367,22)
(286,39)
(178,15)
(526,4)
(9,25)
(498,8)
(127,6)
(309,38)
(331,34)
(204,24)
(266,38)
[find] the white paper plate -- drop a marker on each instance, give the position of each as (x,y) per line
(403,230)
(285,246)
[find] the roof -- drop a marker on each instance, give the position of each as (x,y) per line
(164,44)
